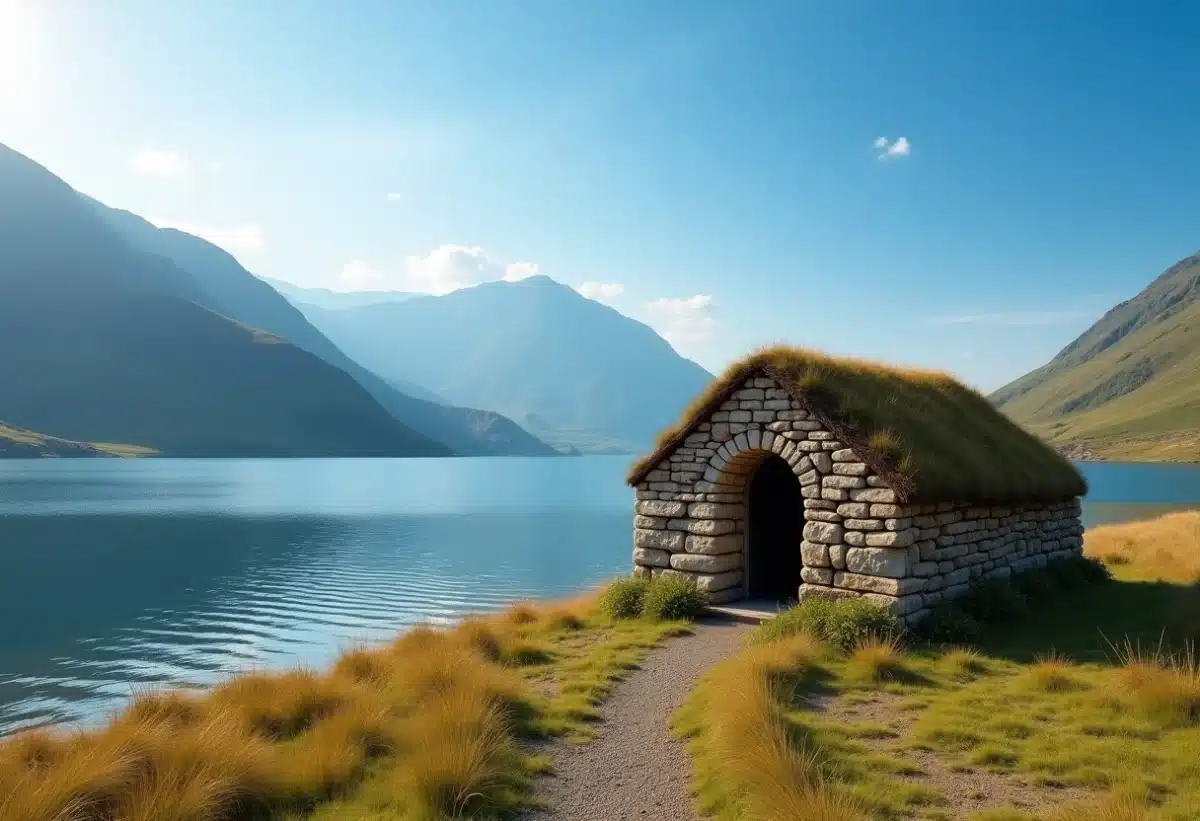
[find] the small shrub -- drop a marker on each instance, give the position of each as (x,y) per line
(1067,574)
(623,598)
(949,624)
(670,597)
(1034,584)
(1092,570)
(993,600)
(840,623)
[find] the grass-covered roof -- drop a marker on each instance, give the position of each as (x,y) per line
(930,437)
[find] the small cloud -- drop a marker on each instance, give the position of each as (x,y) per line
(243,238)
(155,162)
(900,147)
(517,271)
(1008,318)
(682,321)
(601,291)
(394,196)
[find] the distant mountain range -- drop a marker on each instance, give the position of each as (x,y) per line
(116,331)
(334,300)
(572,370)
(1129,387)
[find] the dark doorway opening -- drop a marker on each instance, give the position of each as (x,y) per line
(775,523)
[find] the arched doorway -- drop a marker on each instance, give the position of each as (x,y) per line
(774,527)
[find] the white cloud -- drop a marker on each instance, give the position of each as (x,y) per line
(243,238)
(156,162)
(517,271)
(394,196)
(899,147)
(682,322)
(1008,318)
(601,291)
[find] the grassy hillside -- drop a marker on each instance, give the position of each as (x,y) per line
(106,343)
(1128,388)
(19,443)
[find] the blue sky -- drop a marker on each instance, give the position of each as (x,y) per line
(714,166)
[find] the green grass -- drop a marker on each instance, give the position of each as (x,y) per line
(1096,690)
(928,435)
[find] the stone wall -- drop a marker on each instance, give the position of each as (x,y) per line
(690,516)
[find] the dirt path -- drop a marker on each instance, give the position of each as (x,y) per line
(635,769)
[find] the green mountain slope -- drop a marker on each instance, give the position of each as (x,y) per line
(103,342)
(1129,387)
(19,443)
(229,289)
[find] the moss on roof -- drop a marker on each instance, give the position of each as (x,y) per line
(930,437)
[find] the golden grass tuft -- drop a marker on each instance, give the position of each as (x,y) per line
(964,663)
(931,437)
(878,659)
(1165,686)
(1051,673)
(743,741)
(442,707)
(1112,808)
(1164,548)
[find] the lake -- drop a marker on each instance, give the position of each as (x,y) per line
(117,576)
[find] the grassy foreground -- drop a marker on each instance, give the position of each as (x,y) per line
(428,727)
(1086,706)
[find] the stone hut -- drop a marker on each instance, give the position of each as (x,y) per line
(796,474)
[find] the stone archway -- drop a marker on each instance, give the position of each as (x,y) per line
(774,527)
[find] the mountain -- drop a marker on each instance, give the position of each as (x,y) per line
(103,342)
(334,300)
(574,371)
(1129,387)
(224,286)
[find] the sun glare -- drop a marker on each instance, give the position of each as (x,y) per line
(18,48)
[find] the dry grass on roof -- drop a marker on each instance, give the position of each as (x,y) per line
(931,437)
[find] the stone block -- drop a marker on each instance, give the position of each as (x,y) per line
(850,468)
(843,455)
(872,525)
(708,510)
(875,495)
(854,510)
(903,538)
(822,461)
(823,533)
(823,515)
(837,556)
(659,540)
(814,554)
(707,582)
(835,494)
(649,557)
(700,563)
(669,510)
(877,561)
(816,575)
(855,537)
(843,482)
(711,545)
(820,591)
(702,527)
(649,522)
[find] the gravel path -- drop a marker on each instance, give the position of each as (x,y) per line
(635,769)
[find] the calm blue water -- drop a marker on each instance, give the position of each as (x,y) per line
(122,575)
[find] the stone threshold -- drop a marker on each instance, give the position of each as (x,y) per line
(755,611)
